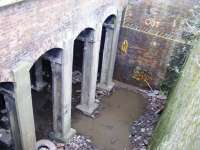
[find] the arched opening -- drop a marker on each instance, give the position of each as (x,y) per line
(106,45)
(9,130)
(43,83)
(83,46)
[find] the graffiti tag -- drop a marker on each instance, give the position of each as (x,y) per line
(124,47)
(152,22)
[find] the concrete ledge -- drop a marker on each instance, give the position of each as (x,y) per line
(66,139)
(87,110)
(106,87)
(8,2)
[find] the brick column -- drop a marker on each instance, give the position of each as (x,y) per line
(23,102)
(109,56)
(61,66)
(90,69)
(106,62)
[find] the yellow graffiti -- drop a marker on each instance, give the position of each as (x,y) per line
(143,76)
(124,47)
(140,75)
(152,22)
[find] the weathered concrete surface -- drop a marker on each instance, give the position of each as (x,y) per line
(8,2)
(24,109)
(179,127)
(91,42)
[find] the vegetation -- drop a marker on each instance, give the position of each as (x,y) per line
(191,32)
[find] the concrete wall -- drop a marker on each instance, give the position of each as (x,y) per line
(179,127)
(8,2)
(154,29)
(30,28)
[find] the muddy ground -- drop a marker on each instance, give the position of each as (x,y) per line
(110,129)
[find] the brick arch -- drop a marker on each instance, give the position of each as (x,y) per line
(109,17)
(50,51)
(85,29)
(99,18)
(82,30)
(40,49)
(30,52)
(111,11)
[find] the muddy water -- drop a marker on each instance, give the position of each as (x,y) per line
(110,130)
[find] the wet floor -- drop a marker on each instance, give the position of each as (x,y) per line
(110,130)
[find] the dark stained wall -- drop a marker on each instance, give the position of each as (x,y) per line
(154,30)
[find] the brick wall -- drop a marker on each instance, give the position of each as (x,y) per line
(153,30)
(30,28)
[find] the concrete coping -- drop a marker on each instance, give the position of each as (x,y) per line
(8,2)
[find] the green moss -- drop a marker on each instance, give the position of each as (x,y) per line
(179,126)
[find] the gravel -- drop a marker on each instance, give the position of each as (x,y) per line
(76,77)
(6,141)
(78,142)
(142,129)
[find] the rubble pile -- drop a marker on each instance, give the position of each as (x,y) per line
(5,132)
(142,129)
(76,77)
(78,142)
(100,93)
(76,99)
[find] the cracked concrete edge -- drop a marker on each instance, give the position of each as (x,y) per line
(65,138)
(87,110)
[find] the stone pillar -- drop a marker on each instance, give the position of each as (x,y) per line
(56,96)
(90,69)
(39,82)
(61,93)
(106,62)
(23,103)
(109,56)
(9,98)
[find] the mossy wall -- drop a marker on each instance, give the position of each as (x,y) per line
(179,127)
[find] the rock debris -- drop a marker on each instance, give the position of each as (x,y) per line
(142,129)
(77,77)
(5,133)
(78,142)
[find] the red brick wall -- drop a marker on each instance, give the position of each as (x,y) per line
(30,28)
(153,30)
